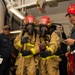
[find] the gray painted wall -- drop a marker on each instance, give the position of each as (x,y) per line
(2,13)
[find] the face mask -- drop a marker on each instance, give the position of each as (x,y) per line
(30,31)
(43,33)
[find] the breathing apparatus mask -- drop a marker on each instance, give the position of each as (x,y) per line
(30,28)
(43,30)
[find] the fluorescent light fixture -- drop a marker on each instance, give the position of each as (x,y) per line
(13,32)
(16,12)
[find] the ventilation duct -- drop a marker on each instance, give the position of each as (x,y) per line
(52,3)
(62,0)
(33,4)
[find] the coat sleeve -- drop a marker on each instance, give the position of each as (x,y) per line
(17,43)
(35,49)
(54,43)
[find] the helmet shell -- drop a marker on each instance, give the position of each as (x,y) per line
(29,19)
(45,20)
(71,9)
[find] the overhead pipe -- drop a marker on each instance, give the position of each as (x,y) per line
(13,10)
(11,1)
(19,2)
(7,1)
(22,8)
(16,12)
(25,5)
(30,4)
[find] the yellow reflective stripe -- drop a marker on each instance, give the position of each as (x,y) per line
(20,54)
(33,51)
(49,57)
(29,44)
(53,56)
(50,49)
(19,44)
(43,58)
(28,56)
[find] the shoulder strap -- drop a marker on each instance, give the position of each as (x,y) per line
(35,32)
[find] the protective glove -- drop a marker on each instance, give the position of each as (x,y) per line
(24,40)
(26,52)
(45,54)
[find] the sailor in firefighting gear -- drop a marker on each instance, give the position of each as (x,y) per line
(49,44)
(27,42)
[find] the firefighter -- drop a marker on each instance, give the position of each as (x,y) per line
(71,41)
(26,42)
(49,44)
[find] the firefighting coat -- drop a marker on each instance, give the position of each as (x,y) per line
(30,62)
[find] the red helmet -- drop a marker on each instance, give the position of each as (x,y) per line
(45,20)
(71,9)
(29,19)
